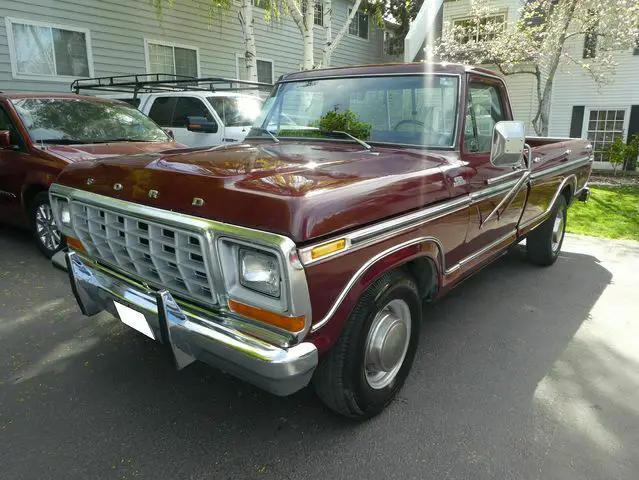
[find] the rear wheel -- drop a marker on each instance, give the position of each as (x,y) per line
(45,231)
(370,362)
(544,243)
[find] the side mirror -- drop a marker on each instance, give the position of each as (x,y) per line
(509,139)
(5,139)
(201,124)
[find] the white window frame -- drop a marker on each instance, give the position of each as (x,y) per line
(238,56)
(586,120)
(9,21)
(497,13)
(368,34)
(170,44)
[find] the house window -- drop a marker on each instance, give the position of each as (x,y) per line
(45,50)
(318,11)
(264,69)
(359,25)
(603,127)
(471,30)
(171,59)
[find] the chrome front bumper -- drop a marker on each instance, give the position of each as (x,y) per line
(190,336)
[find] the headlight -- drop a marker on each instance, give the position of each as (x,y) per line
(62,213)
(260,271)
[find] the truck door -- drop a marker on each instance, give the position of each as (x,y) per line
(12,171)
(498,194)
(173,112)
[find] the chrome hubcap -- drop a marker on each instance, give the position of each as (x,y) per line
(558,230)
(387,344)
(46,229)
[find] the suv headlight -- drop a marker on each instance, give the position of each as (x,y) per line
(260,271)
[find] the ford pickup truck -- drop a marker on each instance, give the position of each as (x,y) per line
(40,134)
(304,254)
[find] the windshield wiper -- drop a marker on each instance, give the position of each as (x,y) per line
(268,132)
(121,139)
(346,134)
(59,141)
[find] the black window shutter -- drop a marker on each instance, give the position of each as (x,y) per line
(577,121)
(633,125)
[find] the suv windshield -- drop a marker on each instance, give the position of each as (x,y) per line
(236,111)
(403,109)
(76,120)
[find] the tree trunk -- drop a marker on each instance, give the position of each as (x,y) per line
(308,62)
(329,48)
(245,17)
(327,20)
(306,29)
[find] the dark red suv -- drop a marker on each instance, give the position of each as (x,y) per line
(40,134)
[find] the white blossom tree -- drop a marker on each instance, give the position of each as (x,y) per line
(536,43)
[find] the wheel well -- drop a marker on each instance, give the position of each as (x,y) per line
(567,192)
(29,194)
(424,272)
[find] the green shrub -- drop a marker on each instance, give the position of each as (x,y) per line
(346,121)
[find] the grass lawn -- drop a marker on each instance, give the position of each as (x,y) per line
(611,212)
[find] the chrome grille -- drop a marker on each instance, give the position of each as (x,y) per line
(174,258)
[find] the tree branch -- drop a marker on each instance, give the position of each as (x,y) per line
(296,13)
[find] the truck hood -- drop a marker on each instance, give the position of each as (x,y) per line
(303,190)
(78,153)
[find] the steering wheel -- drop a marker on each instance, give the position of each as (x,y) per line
(407,121)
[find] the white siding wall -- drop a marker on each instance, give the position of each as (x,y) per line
(573,86)
(521,88)
(118,29)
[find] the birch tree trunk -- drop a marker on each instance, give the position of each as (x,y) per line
(332,44)
(245,16)
(327,21)
(305,24)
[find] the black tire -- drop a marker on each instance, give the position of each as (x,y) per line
(341,381)
(47,246)
(543,244)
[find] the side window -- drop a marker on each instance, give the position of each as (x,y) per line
(189,107)
(162,110)
(484,110)
(218,105)
(7,124)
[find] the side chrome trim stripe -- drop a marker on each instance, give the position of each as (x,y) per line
(505,176)
(387,229)
(560,167)
(551,205)
(479,253)
(366,266)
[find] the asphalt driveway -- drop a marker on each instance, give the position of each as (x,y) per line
(522,372)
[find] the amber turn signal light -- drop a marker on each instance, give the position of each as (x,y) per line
(292,324)
(328,248)
(76,244)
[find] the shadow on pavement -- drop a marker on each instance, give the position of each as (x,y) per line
(89,398)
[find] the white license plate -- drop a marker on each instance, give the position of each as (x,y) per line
(134,319)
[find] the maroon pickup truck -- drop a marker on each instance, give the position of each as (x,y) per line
(304,254)
(40,134)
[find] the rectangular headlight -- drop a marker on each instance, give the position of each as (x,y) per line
(62,213)
(260,272)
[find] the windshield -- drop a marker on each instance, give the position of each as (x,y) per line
(236,111)
(403,109)
(76,120)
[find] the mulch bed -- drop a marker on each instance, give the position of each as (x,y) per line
(610,180)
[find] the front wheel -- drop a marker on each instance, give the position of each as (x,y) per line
(369,364)
(544,243)
(45,231)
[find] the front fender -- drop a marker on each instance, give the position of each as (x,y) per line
(326,331)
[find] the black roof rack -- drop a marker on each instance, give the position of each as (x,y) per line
(163,82)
